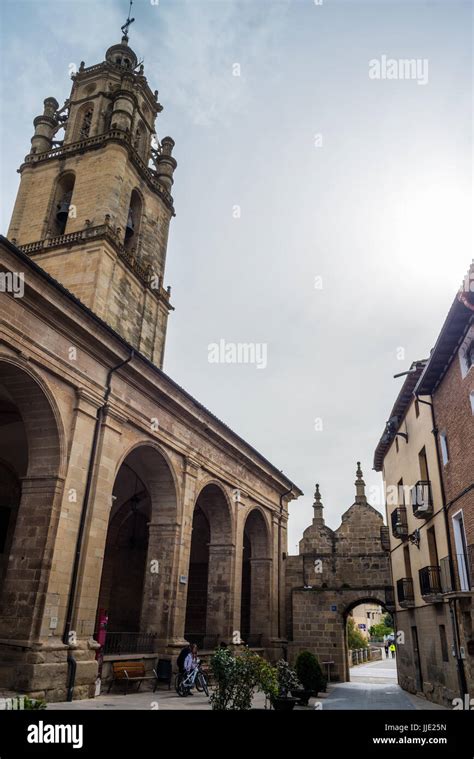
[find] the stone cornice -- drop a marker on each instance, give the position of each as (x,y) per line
(98,141)
(104,232)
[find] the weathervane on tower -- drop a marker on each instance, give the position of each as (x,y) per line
(129,21)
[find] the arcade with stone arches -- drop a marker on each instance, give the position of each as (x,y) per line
(334,572)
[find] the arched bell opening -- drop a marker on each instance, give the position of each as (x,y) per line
(139,140)
(83,123)
(132,226)
(62,207)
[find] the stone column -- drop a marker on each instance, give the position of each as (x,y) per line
(178,612)
(260,578)
(240,519)
(220,600)
(25,582)
(95,533)
(159,589)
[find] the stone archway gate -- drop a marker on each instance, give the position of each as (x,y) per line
(334,571)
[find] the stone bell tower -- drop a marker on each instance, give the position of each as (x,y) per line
(94,208)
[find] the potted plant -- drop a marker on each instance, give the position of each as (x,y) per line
(287,681)
(310,675)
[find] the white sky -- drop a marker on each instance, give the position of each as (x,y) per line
(381,210)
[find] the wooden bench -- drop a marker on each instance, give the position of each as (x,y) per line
(128,672)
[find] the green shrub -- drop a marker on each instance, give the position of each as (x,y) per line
(34,703)
(355,639)
(309,672)
(287,679)
(237,679)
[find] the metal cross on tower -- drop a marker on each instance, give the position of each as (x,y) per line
(129,21)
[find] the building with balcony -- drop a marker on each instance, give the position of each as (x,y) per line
(407,456)
(448,380)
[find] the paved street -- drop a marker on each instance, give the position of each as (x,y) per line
(374,686)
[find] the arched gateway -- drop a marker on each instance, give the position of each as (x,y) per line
(335,571)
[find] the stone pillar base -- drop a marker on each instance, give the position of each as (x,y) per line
(40,670)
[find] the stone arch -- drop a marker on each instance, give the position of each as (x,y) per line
(166,469)
(256,579)
(211,563)
(217,503)
(142,542)
(366,596)
(39,411)
(33,448)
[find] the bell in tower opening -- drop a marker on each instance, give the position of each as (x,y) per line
(130,228)
(63,212)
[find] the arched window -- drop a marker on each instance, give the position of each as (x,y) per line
(84,121)
(108,117)
(139,139)
(132,227)
(62,209)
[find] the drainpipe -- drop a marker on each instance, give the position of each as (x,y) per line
(452,601)
(72,664)
(283,495)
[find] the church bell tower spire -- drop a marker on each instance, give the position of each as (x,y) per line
(94,203)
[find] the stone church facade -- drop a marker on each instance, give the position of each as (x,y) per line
(120,493)
(335,571)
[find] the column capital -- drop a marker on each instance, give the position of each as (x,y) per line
(191,466)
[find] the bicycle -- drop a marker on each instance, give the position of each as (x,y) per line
(186,681)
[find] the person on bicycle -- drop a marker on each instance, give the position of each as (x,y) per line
(182,658)
(191,662)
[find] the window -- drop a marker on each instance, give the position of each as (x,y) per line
(132,227)
(444,643)
(407,561)
(444,447)
(86,124)
(83,122)
(432,547)
(461,551)
(401,493)
(470,355)
(422,460)
(139,140)
(466,353)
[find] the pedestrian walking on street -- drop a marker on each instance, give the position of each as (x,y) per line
(386,649)
(392,650)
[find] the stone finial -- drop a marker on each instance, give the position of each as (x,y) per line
(51,105)
(318,507)
(360,486)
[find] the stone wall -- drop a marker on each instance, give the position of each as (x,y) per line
(335,571)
